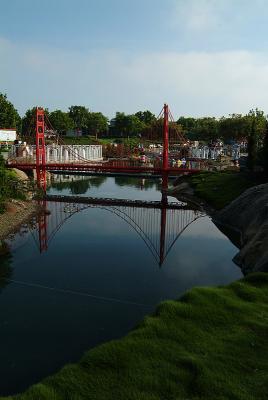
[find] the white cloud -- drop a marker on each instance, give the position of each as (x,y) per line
(193,83)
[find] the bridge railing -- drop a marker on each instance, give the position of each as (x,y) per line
(77,156)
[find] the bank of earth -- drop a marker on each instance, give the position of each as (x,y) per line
(16,207)
(239,202)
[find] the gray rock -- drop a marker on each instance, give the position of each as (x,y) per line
(249,214)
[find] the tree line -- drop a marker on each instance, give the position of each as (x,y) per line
(76,118)
(251,127)
(234,127)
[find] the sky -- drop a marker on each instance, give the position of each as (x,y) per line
(202,57)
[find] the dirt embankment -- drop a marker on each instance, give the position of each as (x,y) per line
(249,215)
(244,220)
(17,212)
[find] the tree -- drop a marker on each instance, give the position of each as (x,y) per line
(9,117)
(61,121)
(28,123)
(256,137)
(79,115)
(188,125)
(259,125)
(252,146)
(146,117)
(126,125)
(133,125)
(265,151)
(235,127)
(97,123)
(206,128)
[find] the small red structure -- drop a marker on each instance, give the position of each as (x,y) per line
(41,174)
(165,138)
(40,148)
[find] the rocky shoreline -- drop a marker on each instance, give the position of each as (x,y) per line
(244,221)
(248,214)
(17,213)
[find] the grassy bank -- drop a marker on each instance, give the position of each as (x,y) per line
(220,188)
(210,344)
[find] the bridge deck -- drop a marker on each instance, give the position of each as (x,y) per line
(120,202)
(103,168)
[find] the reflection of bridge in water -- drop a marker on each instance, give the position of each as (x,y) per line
(159,224)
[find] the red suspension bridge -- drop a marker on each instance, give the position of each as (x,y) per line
(39,162)
(159,224)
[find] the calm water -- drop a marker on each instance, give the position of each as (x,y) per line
(99,276)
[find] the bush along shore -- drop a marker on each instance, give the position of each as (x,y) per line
(210,344)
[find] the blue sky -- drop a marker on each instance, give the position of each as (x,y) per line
(203,57)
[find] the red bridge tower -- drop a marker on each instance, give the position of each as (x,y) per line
(40,148)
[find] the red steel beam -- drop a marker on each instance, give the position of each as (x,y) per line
(100,168)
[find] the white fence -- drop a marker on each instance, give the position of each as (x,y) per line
(59,153)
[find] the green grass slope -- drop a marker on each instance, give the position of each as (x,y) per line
(210,344)
(220,188)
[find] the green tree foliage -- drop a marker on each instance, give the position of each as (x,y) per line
(256,137)
(259,125)
(97,123)
(265,151)
(206,128)
(188,126)
(146,117)
(79,115)
(28,124)
(9,117)
(61,121)
(235,127)
(252,146)
(126,125)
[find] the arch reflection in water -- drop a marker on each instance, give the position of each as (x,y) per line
(158,226)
